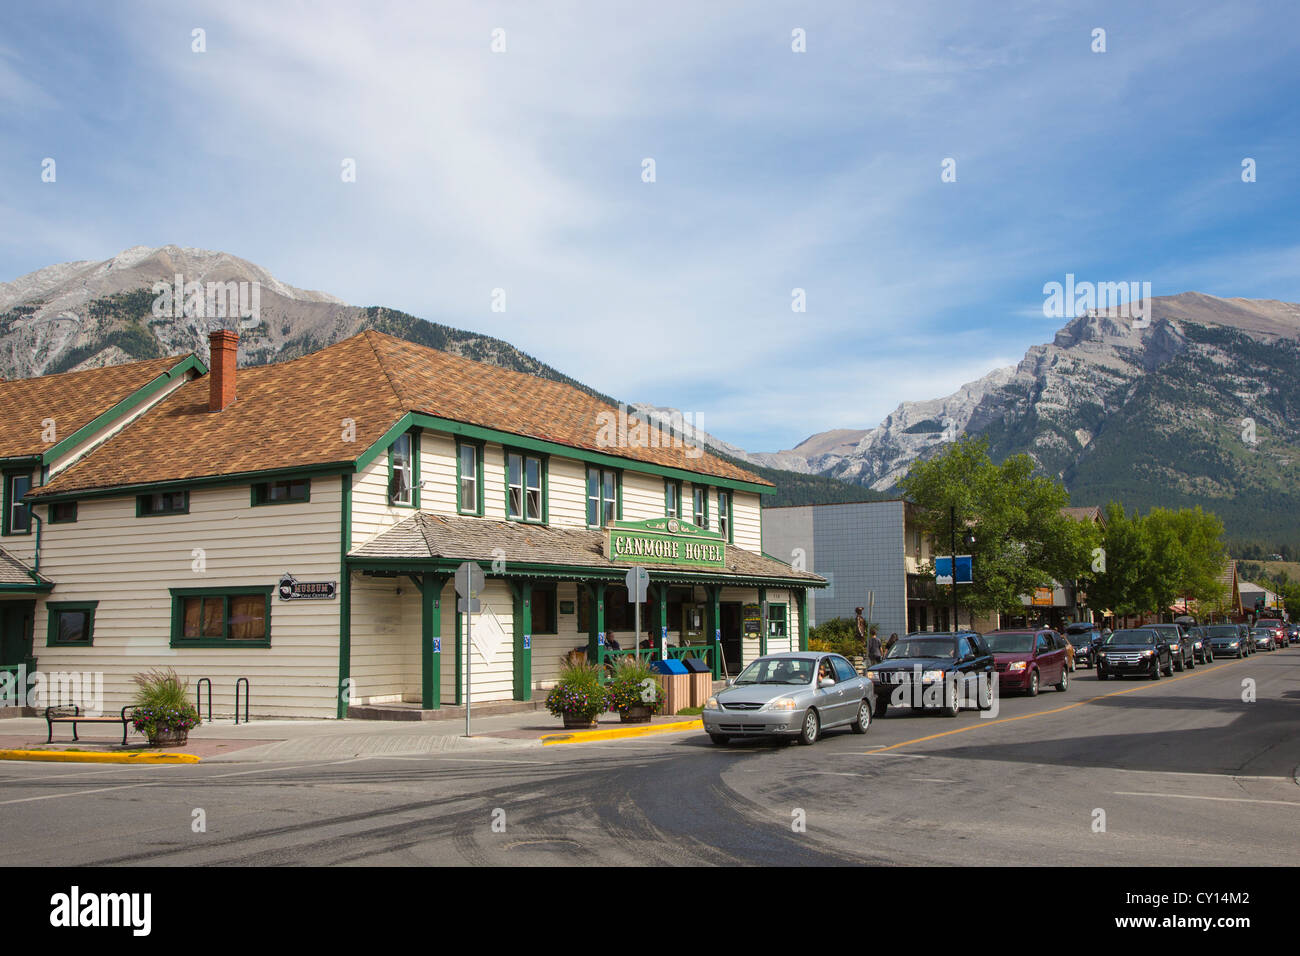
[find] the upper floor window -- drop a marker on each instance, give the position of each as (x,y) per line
(404,471)
(63,512)
(525,497)
(602,496)
(700,506)
(724,514)
(469,478)
(162,503)
(672,499)
(281,492)
(17,516)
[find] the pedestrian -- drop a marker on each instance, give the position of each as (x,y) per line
(889,644)
(860,624)
(874,652)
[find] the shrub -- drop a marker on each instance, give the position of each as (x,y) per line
(839,635)
(162,703)
(634,685)
(578,693)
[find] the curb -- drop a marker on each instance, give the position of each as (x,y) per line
(586,736)
(89,756)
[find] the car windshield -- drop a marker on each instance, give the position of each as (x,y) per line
(922,647)
(1133,637)
(777,670)
(1224,631)
(1010,643)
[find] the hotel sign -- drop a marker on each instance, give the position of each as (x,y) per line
(665,541)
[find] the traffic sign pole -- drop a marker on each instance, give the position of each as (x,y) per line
(637,579)
(469,582)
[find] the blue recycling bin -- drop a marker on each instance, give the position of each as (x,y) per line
(670,666)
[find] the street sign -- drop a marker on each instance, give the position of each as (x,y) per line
(943,570)
(469,577)
(468,605)
(637,580)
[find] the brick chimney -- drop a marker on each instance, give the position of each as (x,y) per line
(224,352)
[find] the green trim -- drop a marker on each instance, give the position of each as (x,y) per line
(801,601)
(343,691)
(53,520)
(479,450)
(703,492)
(33,588)
(55,608)
(785,620)
(140,499)
(124,407)
(178,596)
(731,512)
(415,470)
(238,478)
(600,484)
(257,492)
(676,486)
(5,529)
(544,462)
(431,630)
(762,624)
(580,454)
(522,625)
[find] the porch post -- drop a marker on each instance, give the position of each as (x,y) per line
(661,594)
(714,593)
(460,661)
(762,624)
(431,641)
(523,628)
(801,599)
(596,624)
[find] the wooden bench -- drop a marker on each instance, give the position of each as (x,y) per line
(59,715)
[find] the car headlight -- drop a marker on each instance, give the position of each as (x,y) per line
(932,676)
(1101,654)
(712,704)
(781,703)
(1232,644)
(1017,666)
(1148,653)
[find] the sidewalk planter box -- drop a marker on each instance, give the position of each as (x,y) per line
(635,715)
(701,688)
(677,692)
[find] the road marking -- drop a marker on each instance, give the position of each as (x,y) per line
(1202,773)
(880,753)
(1044,713)
(1189,796)
(286,766)
(79,793)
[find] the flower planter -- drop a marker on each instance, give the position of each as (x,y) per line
(578,722)
(169,738)
(639,714)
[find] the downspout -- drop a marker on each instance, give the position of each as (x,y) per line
(36,571)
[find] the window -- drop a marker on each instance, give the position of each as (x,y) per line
(602,496)
(543,607)
(525,494)
(162,503)
(843,669)
(63,512)
(72,623)
(672,499)
(700,510)
(404,471)
(776,621)
(17,516)
(469,478)
(221,617)
(724,514)
(282,492)
(620,614)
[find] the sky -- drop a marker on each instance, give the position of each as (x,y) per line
(523,168)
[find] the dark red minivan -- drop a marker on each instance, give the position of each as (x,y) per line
(1025,660)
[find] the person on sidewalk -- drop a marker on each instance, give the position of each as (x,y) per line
(860,623)
(875,653)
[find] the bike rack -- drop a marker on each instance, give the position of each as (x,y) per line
(198,696)
(248,692)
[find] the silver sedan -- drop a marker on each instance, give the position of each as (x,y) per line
(799,694)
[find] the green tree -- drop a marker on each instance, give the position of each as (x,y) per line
(1116,582)
(1022,540)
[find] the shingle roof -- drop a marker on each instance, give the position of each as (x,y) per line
(72,399)
(291,415)
(426,536)
(13,571)
(1085,513)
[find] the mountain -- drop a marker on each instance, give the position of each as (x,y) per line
(1160,415)
(86,314)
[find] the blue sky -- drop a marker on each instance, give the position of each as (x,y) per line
(774,170)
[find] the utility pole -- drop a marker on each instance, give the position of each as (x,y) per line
(952,516)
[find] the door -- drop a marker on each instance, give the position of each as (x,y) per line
(732,615)
(16,619)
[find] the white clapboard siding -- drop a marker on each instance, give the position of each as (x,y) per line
(567,482)
(747,522)
(385,663)
(128,564)
(437,473)
(643,496)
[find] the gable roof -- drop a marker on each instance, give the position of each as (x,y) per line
(73,400)
(295,414)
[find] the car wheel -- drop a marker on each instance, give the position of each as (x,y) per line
(1178,664)
(954,705)
(811,728)
(1191,663)
(863,723)
(1032,690)
(720,739)
(1064,681)
(1155,669)
(984,694)
(882,708)
(1168,669)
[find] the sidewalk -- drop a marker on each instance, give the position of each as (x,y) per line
(290,740)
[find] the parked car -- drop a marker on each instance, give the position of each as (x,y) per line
(1027,659)
(1139,651)
(1277,627)
(1264,639)
(1248,636)
(1202,652)
(935,669)
(799,694)
(1180,644)
(1293,634)
(1226,640)
(1086,638)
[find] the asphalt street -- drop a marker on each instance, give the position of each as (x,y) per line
(1179,771)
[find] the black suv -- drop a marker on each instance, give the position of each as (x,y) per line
(1180,644)
(1086,638)
(1202,648)
(1140,651)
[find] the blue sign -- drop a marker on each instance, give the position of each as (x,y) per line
(600,638)
(437,645)
(528,642)
(943,570)
(663,633)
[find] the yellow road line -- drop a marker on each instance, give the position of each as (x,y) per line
(641,730)
(1044,713)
